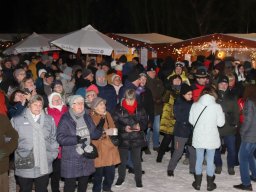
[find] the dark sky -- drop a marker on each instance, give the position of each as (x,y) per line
(178,18)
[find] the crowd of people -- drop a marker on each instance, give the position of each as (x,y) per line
(79,121)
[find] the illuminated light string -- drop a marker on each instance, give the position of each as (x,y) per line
(224,48)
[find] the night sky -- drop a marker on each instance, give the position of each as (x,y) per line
(178,18)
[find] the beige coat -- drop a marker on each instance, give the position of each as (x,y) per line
(108,153)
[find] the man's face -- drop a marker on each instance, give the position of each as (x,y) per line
(201,80)
(152,74)
(222,86)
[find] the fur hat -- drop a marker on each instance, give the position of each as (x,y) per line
(96,102)
(201,72)
(179,64)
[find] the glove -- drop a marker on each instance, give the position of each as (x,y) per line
(80,139)
(101,124)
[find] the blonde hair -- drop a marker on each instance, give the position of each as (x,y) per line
(130,94)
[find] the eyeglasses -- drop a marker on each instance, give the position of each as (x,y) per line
(58,100)
(78,103)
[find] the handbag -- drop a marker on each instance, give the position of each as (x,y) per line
(189,142)
(27,162)
(114,139)
(93,152)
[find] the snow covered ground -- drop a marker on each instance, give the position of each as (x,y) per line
(155,178)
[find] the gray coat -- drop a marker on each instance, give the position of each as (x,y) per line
(248,131)
(25,142)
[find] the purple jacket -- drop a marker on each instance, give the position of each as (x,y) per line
(74,165)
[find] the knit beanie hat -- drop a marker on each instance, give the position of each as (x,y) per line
(185,88)
(73,98)
(86,72)
(223,79)
(68,71)
(133,76)
(41,71)
(96,102)
(93,88)
(100,73)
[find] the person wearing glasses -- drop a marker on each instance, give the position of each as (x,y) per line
(75,130)
(56,109)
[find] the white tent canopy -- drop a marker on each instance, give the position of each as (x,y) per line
(90,41)
(151,38)
(33,43)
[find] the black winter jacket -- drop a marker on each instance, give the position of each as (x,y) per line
(122,118)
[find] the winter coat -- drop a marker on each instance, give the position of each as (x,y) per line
(122,118)
(74,165)
(230,108)
(109,94)
(248,131)
(147,102)
(8,142)
(182,127)
(108,152)
(167,119)
(57,114)
(156,87)
(183,77)
(16,109)
(25,142)
(206,134)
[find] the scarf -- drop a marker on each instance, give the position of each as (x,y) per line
(81,130)
(130,108)
(39,148)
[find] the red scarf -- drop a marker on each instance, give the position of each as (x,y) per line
(130,108)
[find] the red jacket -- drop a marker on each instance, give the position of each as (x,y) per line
(56,114)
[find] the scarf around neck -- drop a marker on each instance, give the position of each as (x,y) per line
(39,147)
(81,127)
(130,108)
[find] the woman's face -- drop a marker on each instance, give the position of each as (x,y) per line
(56,100)
(21,75)
(176,81)
(90,96)
(241,69)
(178,70)
(19,97)
(78,106)
(143,81)
(58,88)
(188,96)
(29,84)
(101,108)
(36,107)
